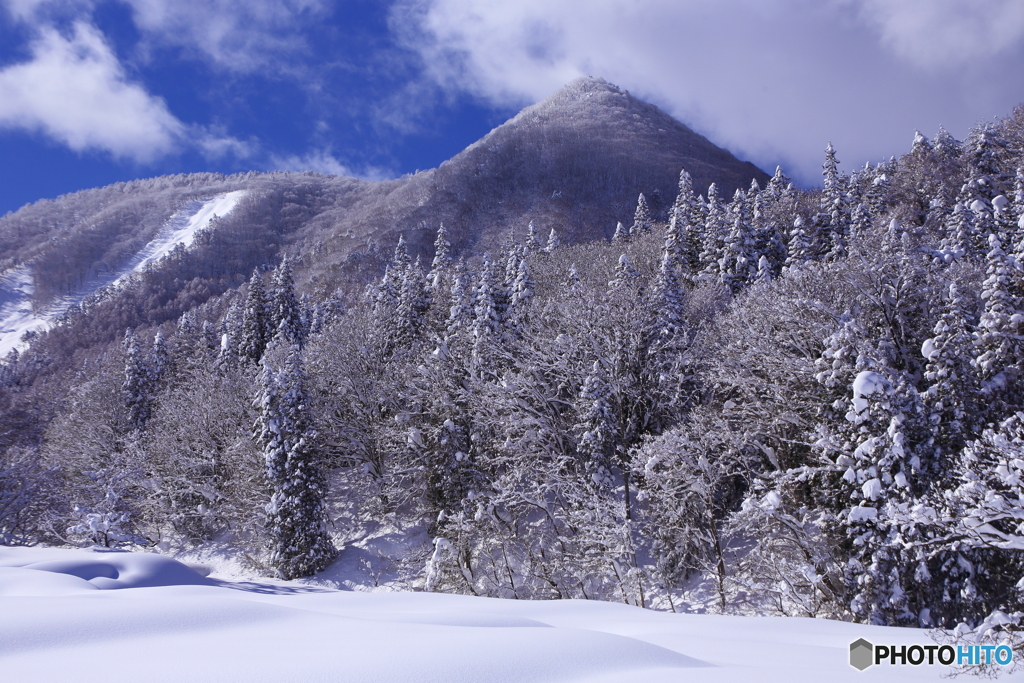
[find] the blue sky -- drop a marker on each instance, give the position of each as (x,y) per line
(96,91)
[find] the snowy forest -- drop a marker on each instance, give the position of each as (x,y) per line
(790,402)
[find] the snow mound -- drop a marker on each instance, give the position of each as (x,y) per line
(104,570)
(169,624)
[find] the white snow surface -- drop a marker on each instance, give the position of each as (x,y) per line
(111,616)
(16,314)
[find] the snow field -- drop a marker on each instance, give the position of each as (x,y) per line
(115,616)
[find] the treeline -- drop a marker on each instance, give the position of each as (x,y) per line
(782,401)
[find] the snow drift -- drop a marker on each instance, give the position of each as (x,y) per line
(116,616)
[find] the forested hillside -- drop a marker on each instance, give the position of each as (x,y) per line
(773,401)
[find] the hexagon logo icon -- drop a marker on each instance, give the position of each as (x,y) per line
(862,654)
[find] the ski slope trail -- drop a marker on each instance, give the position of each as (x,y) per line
(16,313)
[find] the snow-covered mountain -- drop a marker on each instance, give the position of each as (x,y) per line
(18,316)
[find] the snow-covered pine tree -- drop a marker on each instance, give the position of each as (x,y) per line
(999,335)
(684,209)
(442,258)
(460,310)
(882,468)
(801,245)
(962,237)
(597,427)
(951,396)
(138,382)
(486,325)
(642,222)
(716,228)
(621,235)
(285,311)
(296,516)
(668,296)
(553,241)
(160,360)
(255,332)
(739,261)
(533,244)
(835,208)
(521,290)
(625,274)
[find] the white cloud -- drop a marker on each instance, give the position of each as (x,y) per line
(772,80)
(236,35)
(239,35)
(944,33)
(323,161)
(74,90)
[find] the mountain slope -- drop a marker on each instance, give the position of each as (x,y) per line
(574,162)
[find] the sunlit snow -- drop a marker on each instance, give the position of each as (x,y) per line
(16,314)
(76,615)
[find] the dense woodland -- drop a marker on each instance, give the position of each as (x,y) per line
(783,402)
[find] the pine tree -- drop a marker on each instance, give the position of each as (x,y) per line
(255,332)
(486,324)
(296,516)
(685,211)
(715,230)
(553,241)
(801,245)
(739,262)
(998,339)
(621,235)
(285,311)
(159,360)
(442,258)
(641,218)
(668,296)
(625,274)
(532,239)
(835,209)
(138,382)
(599,437)
(880,479)
(951,396)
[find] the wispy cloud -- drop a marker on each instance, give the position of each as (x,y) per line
(773,80)
(323,161)
(74,90)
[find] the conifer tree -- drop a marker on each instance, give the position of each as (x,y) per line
(739,262)
(442,258)
(138,382)
(715,231)
(486,319)
(553,241)
(835,209)
(998,338)
(296,516)
(599,437)
(621,235)
(285,311)
(533,244)
(641,218)
(684,209)
(801,245)
(255,331)
(951,396)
